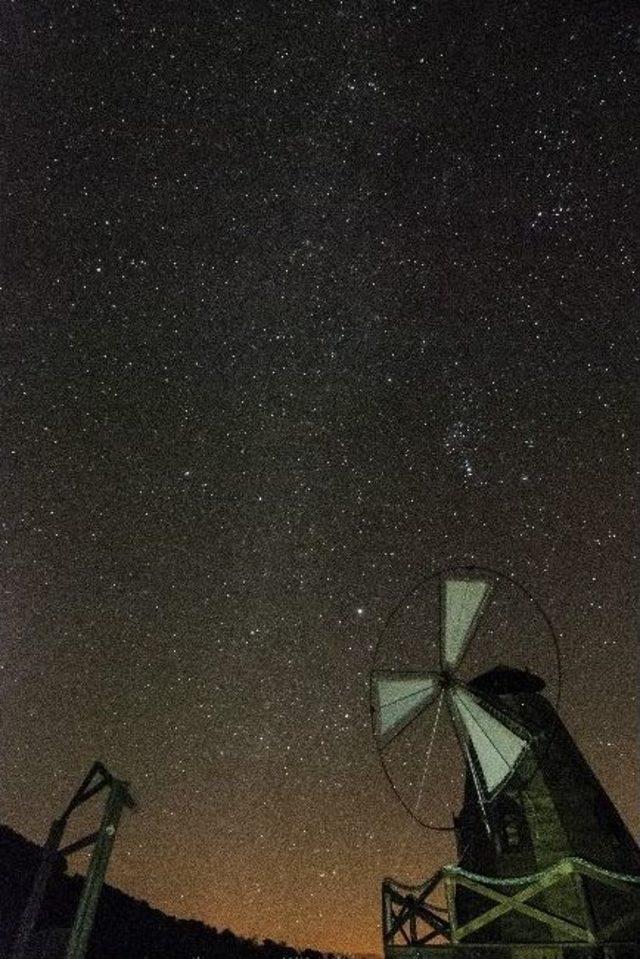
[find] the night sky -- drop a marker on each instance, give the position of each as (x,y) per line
(303,301)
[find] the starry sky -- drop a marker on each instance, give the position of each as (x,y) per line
(303,301)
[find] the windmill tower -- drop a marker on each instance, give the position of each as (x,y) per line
(546,867)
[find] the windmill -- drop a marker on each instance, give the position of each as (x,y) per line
(546,866)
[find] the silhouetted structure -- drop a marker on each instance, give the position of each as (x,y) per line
(125,928)
(98,780)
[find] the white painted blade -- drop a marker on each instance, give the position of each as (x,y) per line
(463,602)
(497,747)
(401,697)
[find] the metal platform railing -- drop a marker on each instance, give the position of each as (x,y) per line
(415,925)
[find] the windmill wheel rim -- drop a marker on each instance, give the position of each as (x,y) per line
(438,574)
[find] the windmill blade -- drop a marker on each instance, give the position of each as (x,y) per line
(400,698)
(462,604)
(497,748)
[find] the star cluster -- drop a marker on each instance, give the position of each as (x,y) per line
(303,301)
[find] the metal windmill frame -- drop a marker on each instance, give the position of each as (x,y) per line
(417,927)
(118,796)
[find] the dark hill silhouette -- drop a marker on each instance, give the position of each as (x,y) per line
(125,928)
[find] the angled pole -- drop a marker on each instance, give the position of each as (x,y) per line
(85,791)
(34,902)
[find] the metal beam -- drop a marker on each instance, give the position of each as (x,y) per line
(79,844)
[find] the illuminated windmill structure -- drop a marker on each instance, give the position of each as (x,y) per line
(546,867)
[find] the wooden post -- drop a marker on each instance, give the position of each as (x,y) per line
(450,892)
(413,923)
(36,896)
(93,883)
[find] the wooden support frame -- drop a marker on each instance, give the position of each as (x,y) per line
(517,903)
(97,779)
(403,909)
(404,906)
